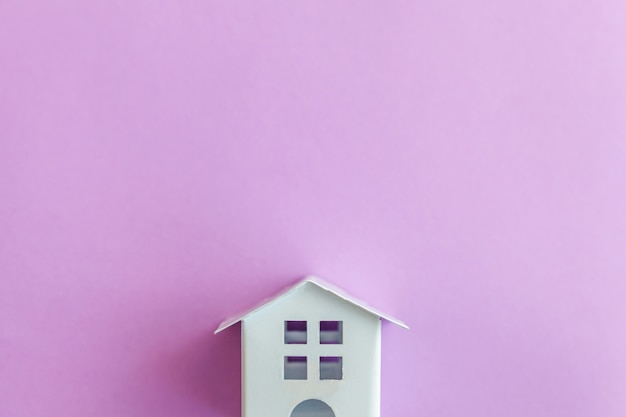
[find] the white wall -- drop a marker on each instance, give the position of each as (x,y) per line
(267,394)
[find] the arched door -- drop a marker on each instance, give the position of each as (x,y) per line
(312,408)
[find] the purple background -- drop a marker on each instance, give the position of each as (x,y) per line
(458,164)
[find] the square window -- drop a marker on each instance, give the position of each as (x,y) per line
(295,367)
(331,332)
(331,367)
(295,332)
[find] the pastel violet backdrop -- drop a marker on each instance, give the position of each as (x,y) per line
(459,164)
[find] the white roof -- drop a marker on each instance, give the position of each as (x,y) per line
(321,284)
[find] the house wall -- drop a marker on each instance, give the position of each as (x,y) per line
(265,392)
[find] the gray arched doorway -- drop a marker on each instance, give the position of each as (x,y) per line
(312,408)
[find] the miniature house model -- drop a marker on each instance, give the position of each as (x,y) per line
(311,351)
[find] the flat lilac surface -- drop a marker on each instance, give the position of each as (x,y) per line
(460,165)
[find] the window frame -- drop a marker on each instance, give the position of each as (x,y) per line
(334,369)
(331,337)
(293,336)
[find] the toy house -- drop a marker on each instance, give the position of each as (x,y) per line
(311,351)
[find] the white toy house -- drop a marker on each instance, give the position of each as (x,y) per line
(311,351)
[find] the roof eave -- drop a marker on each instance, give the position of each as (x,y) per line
(321,284)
